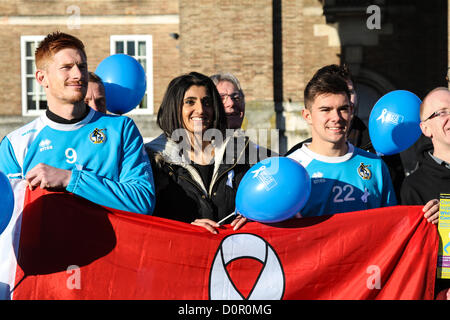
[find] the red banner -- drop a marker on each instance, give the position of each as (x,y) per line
(73,249)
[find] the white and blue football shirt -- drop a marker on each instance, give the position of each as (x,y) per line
(104,152)
(358,180)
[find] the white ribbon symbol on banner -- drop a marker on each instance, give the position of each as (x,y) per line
(270,282)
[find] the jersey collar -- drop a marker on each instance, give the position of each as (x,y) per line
(67,127)
(323,158)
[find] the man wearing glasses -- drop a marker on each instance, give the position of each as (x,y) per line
(232,97)
(432,177)
(423,186)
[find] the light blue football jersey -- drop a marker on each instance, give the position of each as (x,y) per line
(104,152)
(358,180)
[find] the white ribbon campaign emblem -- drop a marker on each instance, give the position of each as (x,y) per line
(257,171)
(390,117)
(266,179)
(270,283)
(230,179)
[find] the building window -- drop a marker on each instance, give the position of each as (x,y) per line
(34,100)
(140,47)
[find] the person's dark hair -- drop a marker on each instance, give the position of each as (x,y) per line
(93,77)
(169,114)
(324,83)
(342,71)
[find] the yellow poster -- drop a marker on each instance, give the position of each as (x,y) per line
(443,270)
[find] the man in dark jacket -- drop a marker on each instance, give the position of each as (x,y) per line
(423,186)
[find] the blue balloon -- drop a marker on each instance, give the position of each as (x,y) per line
(394,122)
(6,202)
(124,80)
(273,190)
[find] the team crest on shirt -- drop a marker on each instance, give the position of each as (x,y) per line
(364,172)
(97,136)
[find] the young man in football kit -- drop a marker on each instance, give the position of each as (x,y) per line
(73,147)
(343,178)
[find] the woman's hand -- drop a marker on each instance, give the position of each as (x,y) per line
(208,224)
(211,226)
(238,222)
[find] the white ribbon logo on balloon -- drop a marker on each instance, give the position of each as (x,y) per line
(270,283)
(390,117)
(265,178)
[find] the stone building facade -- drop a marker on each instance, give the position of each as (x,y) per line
(273,47)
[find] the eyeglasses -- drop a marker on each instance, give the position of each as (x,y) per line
(440,113)
(236,97)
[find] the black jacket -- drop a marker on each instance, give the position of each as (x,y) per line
(180,192)
(427,182)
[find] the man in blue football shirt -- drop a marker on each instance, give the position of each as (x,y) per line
(343,178)
(96,156)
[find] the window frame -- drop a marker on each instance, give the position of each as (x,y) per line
(24,39)
(149,65)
